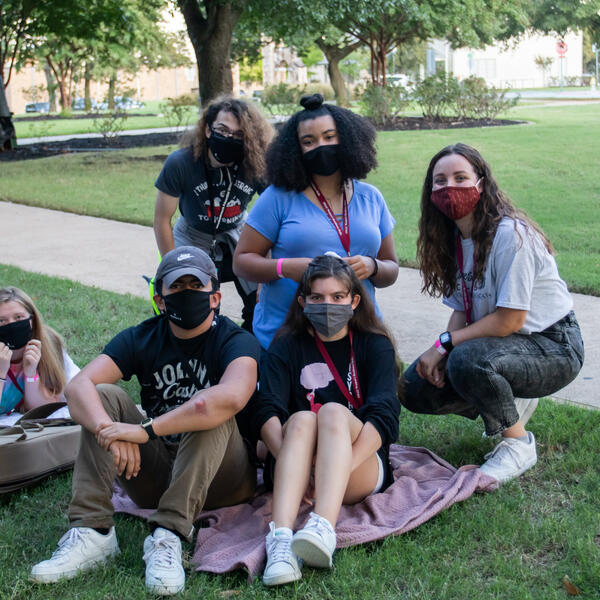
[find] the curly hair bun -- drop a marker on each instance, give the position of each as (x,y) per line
(312,102)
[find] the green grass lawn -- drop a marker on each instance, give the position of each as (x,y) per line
(548,167)
(515,543)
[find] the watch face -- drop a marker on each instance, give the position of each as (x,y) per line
(445,337)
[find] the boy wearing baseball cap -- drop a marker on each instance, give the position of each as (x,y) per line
(197,370)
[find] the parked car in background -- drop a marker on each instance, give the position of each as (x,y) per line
(41,107)
(79,104)
(122,103)
(257,95)
(399,79)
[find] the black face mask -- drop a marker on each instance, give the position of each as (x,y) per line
(225,149)
(16,335)
(187,308)
(322,160)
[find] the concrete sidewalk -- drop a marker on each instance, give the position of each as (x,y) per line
(114,256)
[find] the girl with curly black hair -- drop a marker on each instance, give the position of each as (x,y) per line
(212,178)
(314,205)
(512,335)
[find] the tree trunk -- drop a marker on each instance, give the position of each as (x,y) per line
(211,39)
(87,79)
(112,84)
(8,137)
(51,87)
(334,55)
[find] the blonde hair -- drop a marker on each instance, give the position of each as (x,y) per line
(51,367)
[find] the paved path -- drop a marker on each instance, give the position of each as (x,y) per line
(114,256)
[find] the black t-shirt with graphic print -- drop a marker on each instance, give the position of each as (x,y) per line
(294,375)
(149,352)
(192,181)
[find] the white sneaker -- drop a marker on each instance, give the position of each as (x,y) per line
(162,554)
(80,549)
(510,458)
(282,564)
(525,408)
(315,543)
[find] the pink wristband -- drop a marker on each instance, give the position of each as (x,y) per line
(280,268)
(32,379)
(440,348)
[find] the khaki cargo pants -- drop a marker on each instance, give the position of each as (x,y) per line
(207,469)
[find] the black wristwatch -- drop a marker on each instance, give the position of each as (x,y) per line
(446,341)
(146,424)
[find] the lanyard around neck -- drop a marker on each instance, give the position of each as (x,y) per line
(216,224)
(466,293)
(355,399)
(343,231)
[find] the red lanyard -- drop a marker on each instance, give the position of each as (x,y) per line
(343,231)
(466,293)
(12,377)
(354,399)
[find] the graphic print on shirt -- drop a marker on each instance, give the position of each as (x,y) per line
(166,390)
(233,208)
(318,376)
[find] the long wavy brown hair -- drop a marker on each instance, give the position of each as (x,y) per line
(436,245)
(257,134)
(51,367)
(364,319)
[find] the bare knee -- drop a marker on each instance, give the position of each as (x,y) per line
(333,417)
(302,424)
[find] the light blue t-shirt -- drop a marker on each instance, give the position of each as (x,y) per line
(297,228)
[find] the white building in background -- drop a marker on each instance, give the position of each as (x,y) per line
(512,65)
(281,64)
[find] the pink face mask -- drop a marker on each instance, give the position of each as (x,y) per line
(454,201)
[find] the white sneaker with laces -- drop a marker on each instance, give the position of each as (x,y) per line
(162,554)
(315,543)
(510,458)
(282,564)
(525,408)
(80,549)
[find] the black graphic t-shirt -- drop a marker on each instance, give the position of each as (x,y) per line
(149,352)
(294,377)
(193,182)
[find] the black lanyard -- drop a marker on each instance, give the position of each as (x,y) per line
(216,223)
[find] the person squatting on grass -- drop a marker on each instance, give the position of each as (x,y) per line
(34,366)
(327,410)
(316,204)
(212,178)
(196,370)
(512,335)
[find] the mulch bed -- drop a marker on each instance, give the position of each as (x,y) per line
(419,123)
(45,149)
(121,142)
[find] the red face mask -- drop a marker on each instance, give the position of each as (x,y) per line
(455,202)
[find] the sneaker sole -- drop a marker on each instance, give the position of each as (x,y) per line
(312,552)
(54,577)
(165,590)
(520,472)
(281,579)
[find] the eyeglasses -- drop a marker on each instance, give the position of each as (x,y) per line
(225,131)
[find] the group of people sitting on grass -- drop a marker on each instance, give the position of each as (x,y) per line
(313,249)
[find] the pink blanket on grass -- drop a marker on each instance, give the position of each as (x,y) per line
(424,485)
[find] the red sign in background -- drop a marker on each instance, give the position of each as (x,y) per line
(561,47)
